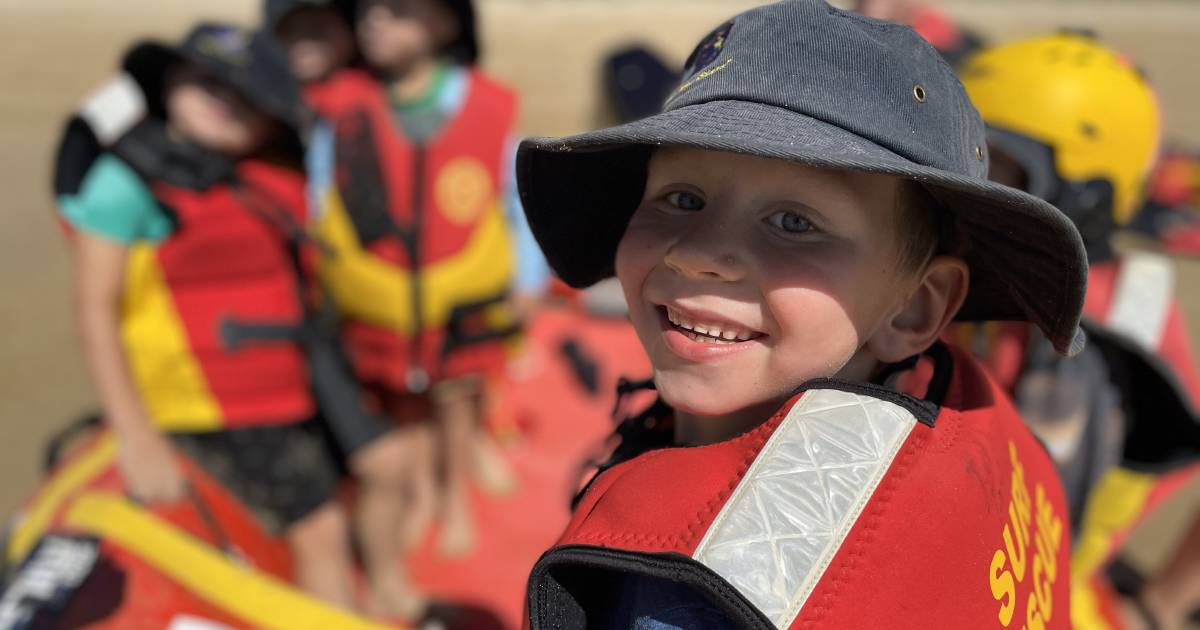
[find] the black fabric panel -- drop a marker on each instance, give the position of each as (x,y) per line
(1162,430)
(77,150)
(574,587)
(360,179)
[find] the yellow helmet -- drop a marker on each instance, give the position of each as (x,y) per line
(1077,116)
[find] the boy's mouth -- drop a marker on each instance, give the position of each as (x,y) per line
(706,331)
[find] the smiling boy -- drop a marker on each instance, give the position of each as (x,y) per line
(793,233)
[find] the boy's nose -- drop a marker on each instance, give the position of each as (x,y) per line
(706,252)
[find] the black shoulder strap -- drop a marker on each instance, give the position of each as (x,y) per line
(650,429)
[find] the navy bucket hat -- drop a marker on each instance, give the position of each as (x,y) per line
(805,82)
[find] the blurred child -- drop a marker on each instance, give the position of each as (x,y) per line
(792,233)
(411,171)
(939,29)
(316,35)
(1075,123)
(318,42)
(189,295)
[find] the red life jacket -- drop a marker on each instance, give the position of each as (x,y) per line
(210,313)
(418,210)
(854,506)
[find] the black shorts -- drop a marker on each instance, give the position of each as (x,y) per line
(347,416)
(282,473)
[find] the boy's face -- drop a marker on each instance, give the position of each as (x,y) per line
(792,267)
(211,113)
(317,40)
(394,35)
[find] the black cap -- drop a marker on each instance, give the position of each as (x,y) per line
(249,61)
(805,82)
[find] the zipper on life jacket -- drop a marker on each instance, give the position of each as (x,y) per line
(417,379)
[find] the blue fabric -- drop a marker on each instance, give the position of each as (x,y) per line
(115,203)
(319,165)
(653,604)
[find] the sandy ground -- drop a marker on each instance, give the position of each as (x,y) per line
(53,52)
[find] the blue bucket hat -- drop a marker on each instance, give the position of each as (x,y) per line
(805,82)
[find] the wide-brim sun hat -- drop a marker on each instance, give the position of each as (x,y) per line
(805,82)
(250,61)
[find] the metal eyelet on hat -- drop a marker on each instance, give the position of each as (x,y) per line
(978,153)
(919,93)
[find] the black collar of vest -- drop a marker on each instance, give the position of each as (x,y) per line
(926,409)
(157,157)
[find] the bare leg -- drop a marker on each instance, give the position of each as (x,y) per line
(421,484)
(382,470)
(492,473)
(320,545)
(457,405)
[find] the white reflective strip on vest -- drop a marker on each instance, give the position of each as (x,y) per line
(114,108)
(1142,299)
(787,518)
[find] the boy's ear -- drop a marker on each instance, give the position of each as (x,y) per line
(931,307)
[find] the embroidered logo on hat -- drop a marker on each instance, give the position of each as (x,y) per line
(229,44)
(708,50)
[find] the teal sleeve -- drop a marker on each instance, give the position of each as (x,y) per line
(114,202)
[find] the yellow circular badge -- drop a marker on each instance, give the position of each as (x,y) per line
(463,189)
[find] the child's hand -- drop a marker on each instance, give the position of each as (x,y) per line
(150,468)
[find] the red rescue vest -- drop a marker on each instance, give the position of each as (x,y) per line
(207,312)
(418,210)
(852,507)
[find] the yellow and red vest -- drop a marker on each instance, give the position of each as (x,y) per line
(854,506)
(192,301)
(421,253)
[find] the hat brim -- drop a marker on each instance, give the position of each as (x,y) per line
(147,63)
(1026,259)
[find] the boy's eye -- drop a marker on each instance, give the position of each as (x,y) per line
(790,222)
(685,201)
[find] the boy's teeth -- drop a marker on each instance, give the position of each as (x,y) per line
(708,330)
